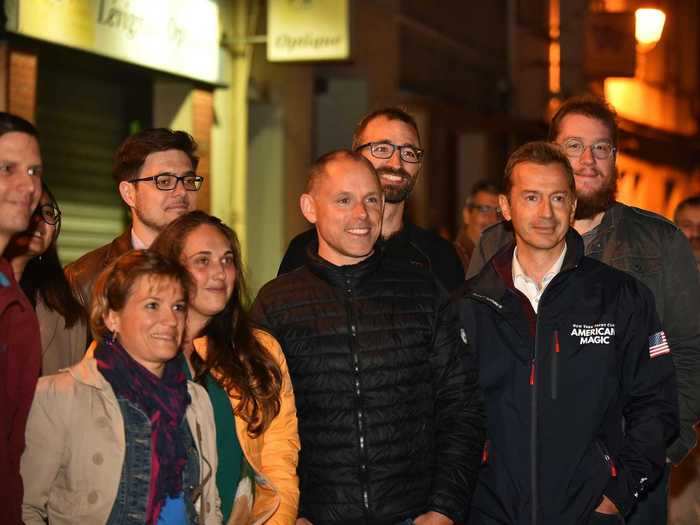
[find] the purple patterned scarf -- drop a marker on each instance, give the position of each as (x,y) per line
(164,400)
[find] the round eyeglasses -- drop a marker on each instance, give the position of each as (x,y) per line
(168,181)
(384,150)
(575,148)
(48,213)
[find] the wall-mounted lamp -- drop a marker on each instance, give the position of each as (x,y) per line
(649,25)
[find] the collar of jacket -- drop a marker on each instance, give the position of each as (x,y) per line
(120,245)
(496,278)
(341,276)
(86,372)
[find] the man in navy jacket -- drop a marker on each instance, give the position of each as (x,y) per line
(575,368)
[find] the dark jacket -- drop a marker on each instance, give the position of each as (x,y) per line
(420,247)
(657,253)
(557,386)
(390,421)
(81,274)
(20,361)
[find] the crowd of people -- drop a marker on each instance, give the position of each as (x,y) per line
(543,369)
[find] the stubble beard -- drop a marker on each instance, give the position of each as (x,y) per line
(395,194)
(589,206)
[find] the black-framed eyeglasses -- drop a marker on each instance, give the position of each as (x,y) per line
(384,150)
(48,213)
(168,181)
(574,148)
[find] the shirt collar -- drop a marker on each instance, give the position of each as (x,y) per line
(136,243)
(519,273)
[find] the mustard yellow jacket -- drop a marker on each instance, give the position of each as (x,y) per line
(273,455)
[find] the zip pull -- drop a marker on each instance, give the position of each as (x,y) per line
(555,365)
(485,453)
(613,469)
(532,372)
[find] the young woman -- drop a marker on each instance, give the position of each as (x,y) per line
(122,437)
(244,372)
(35,264)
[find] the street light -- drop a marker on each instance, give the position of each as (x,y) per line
(649,25)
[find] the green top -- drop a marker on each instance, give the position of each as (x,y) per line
(228,474)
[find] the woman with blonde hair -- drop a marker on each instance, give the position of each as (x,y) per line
(244,372)
(122,437)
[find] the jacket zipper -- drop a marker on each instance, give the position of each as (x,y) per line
(533,428)
(555,365)
(358,399)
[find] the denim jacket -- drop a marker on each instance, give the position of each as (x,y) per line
(78,468)
(657,253)
(131,502)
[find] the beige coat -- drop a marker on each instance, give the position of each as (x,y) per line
(75,449)
(61,347)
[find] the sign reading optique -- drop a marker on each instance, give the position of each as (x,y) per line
(304,30)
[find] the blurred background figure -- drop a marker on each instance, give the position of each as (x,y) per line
(36,267)
(123,437)
(479,212)
(687,218)
(244,373)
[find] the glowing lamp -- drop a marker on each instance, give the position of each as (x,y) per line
(649,27)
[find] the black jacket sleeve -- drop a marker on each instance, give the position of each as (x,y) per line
(650,397)
(681,320)
(460,422)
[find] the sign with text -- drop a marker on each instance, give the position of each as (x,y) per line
(176,36)
(305,30)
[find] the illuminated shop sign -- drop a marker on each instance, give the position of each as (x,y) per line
(308,30)
(177,36)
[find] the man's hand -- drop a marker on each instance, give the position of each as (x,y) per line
(303,521)
(607,507)
(430,518)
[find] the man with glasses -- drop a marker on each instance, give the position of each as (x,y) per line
(479,212)
(155,173)
(389,139)
(636,241)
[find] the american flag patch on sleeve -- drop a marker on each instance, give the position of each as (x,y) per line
(658,345)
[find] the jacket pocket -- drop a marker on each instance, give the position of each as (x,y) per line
(607,458)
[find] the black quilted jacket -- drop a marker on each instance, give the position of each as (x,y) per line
(390,420)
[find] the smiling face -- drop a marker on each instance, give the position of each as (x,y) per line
(596,179)
(153,209)
(208,255)
(346,206)
(36,239)
(152,321)
(397,176)
(20,182)
(540,205)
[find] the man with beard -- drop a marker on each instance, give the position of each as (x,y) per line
(155,173)
(687,218)
(389,139)
(390,417)
(638,242)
